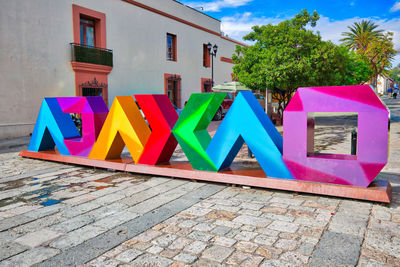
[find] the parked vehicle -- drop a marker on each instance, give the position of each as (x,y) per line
(231,89)
(226,104)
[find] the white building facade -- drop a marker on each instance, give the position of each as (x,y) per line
(116,47)
(384,84)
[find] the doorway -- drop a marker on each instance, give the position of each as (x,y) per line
(173,91)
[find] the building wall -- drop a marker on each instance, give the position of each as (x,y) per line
(383,84)
(179,10)
(380,85)
(35,53)
(34,60)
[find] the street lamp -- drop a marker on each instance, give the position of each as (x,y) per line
(212,54)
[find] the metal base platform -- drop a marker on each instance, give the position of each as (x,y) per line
(379,191)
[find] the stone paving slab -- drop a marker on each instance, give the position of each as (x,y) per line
(145,220)
(97,246)
(337,248)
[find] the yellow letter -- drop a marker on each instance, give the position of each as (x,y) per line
(124,125)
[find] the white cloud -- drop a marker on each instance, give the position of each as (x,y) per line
(395,7)
(238,26)
(216,6)
(332,30)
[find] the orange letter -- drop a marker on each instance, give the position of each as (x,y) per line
(124,125)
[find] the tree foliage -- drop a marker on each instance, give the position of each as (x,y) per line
(374,45)
(395,74)
(287,56)
(351,67)
(380,53)
(361,34)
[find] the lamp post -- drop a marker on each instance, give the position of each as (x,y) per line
(212,54)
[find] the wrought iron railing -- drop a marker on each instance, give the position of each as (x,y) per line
(91,54)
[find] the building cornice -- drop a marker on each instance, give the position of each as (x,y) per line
(191,24)
(88,67)
(227,60)
(233,41)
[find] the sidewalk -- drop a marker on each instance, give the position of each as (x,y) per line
(14,144)
(53,214)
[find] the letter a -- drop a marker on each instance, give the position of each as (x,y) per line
(247,122)
(51,128)
(124,125)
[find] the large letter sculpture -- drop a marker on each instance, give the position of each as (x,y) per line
(93,112)
(161,116)
(372,140)
(124,125)
(191,128)
(247,122)
(51,128)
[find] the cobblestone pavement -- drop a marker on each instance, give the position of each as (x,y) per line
(59,215)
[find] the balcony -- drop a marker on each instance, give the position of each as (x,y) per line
(92,55)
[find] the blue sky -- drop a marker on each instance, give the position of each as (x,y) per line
(238,16)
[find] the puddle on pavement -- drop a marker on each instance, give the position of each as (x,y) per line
(15,184)
(43,195)
(101,187)
(76,184)
(46,191)
(50,202)
(10,201)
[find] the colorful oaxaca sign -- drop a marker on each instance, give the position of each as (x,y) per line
(152,139)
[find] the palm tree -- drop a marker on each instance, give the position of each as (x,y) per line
(361,35)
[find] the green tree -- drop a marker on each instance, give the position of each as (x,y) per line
(374,45)
(395,74)
(380,53)
(361,34)
(287,56)
(351,67)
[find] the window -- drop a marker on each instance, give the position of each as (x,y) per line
(94,88)
(172,88)
(206,85)
(172,91)
(171,47)
(92,91)
(206,56)
(87,32)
